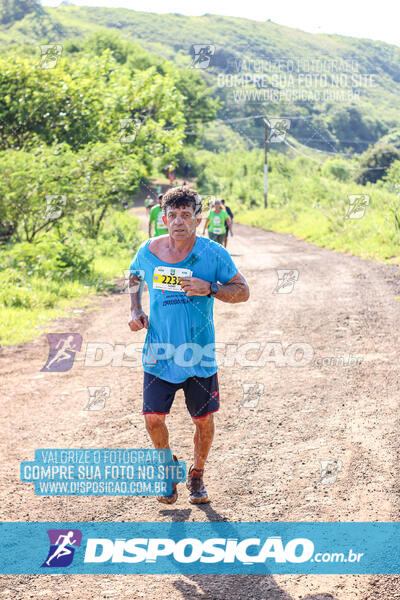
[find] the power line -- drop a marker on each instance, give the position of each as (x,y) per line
(235,120)
(291,117)
(323,163)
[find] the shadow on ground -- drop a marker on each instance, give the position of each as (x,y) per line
(228,587)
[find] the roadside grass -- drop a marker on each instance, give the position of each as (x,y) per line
(373,236)
(309,200)
(38,283)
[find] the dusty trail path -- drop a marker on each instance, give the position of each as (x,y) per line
(265,461)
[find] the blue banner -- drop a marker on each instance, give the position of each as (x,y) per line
(103,472)
(200,548)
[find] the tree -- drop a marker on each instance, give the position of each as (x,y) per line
(65,104)
(15,10)
(34,187)
(105,173)
(108,40)
(375,163)
(392,180)
(354,128)
(84,100)
(199,106)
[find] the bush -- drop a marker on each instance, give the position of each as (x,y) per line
(375,163)
(337,168)
(121,230)
(42,277)
(49,258)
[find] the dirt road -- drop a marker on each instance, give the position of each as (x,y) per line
(265,464)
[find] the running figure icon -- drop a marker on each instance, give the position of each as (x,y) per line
(63,545)
(63,347)
(62,549)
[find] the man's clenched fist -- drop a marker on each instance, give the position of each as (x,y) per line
(139,320)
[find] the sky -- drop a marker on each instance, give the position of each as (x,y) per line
(357,18)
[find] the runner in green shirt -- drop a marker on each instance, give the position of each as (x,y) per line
(215,222)
(156,215)
(149,203)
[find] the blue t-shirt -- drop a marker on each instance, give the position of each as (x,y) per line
(180,340)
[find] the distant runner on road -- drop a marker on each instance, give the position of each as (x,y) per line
(215,223)
(171,173)
(184,272)
(149,202)
(156,217)
(227,228)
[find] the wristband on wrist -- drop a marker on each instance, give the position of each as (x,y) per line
(214,288)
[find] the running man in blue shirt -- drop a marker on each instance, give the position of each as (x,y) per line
(184,273)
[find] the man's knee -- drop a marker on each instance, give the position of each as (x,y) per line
(206,422)
(154,421)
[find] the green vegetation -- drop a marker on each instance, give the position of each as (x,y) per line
(113,102)
(310,200)
(346,88)
(76,140)
(375,163)
(15,10)
(39,281)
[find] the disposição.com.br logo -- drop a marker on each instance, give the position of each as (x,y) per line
(63,543)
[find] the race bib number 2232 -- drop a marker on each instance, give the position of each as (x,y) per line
(167,278)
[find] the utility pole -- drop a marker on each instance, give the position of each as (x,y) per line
(266,125)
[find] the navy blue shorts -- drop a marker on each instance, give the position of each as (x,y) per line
(201,395)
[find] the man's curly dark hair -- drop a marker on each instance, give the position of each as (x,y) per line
(182,196)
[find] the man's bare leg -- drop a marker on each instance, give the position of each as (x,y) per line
(158,431)
(203,437)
